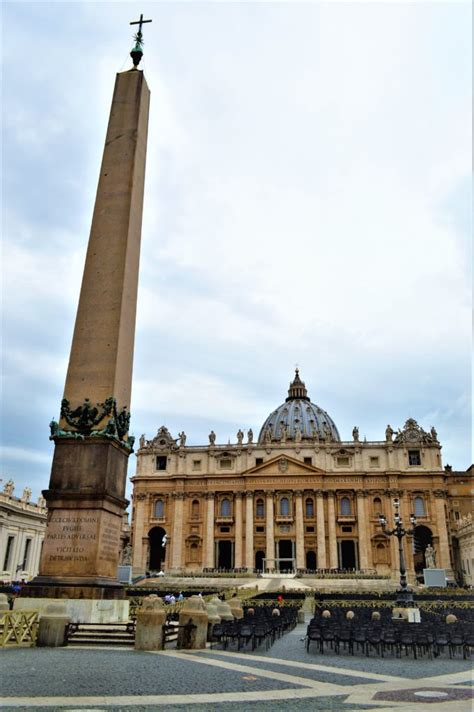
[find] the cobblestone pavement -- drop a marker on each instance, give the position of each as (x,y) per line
(285,677)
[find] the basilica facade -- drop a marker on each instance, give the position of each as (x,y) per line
(295,498)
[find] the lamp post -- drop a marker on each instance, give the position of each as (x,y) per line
(405,596)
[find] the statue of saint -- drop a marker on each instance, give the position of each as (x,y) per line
(182,439)
(240,437)
(388,434)
(267,435)
(41,502)
(26,496)
(434,434)
(212,437)
(298,436)
(126,558)
(355,434)
(282,432)
(142,440)
(430,557)
(250,436)
(8,488)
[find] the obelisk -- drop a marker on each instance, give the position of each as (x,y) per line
(86,495)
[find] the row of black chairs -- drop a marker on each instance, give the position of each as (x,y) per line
(397,637)
(261,627)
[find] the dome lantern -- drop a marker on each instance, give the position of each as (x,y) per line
(297,388)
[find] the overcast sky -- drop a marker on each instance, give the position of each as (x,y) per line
(307,201)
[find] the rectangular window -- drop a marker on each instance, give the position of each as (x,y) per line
(374,461)
(259,461)
(196,464)
(225,463)
(414,457)
(346,529)
(24,565)
(308,460)
(310,529)
(457,515)
(342,461)
(225,530)
(260,530)
(8,552)
(161,462)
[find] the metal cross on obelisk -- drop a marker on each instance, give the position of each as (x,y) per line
(136,54)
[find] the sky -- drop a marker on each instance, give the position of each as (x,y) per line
(307,201)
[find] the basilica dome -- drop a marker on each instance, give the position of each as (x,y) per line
(298,419)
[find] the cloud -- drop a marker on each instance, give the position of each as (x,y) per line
(307,194)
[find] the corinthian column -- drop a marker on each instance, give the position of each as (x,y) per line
(238,531)
(362,525)
(320,530)
(270,536)
(299,526)
(332,532)
(249,560)
(209,559)
(177,542)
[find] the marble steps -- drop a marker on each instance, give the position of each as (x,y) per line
(113,634)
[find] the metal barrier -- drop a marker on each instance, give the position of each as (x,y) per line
(18,628)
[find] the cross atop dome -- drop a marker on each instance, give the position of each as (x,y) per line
(297,388)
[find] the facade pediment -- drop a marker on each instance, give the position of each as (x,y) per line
(283,464)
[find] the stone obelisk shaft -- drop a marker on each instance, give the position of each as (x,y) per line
(100,363)
(86,495)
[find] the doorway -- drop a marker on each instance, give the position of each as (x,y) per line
(224,554)
(422,537)
(157,550)
(311,560)
(259,558)
(285,550)
(347,554)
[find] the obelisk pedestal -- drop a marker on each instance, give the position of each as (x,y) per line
(86,495)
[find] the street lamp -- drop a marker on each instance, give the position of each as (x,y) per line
(405,597)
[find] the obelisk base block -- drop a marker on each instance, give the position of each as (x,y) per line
(81,549)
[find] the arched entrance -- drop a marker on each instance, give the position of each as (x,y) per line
(422,537)
(311,560)
(259,557)
(157,550)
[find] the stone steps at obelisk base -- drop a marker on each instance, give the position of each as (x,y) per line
(101,634)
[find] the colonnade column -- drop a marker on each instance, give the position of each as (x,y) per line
(299,527)
(362,526)
(444,560)
(178,529)
(270,536)
(209,546)
(333,563)
(238,531)
(320,530)
(249,560)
